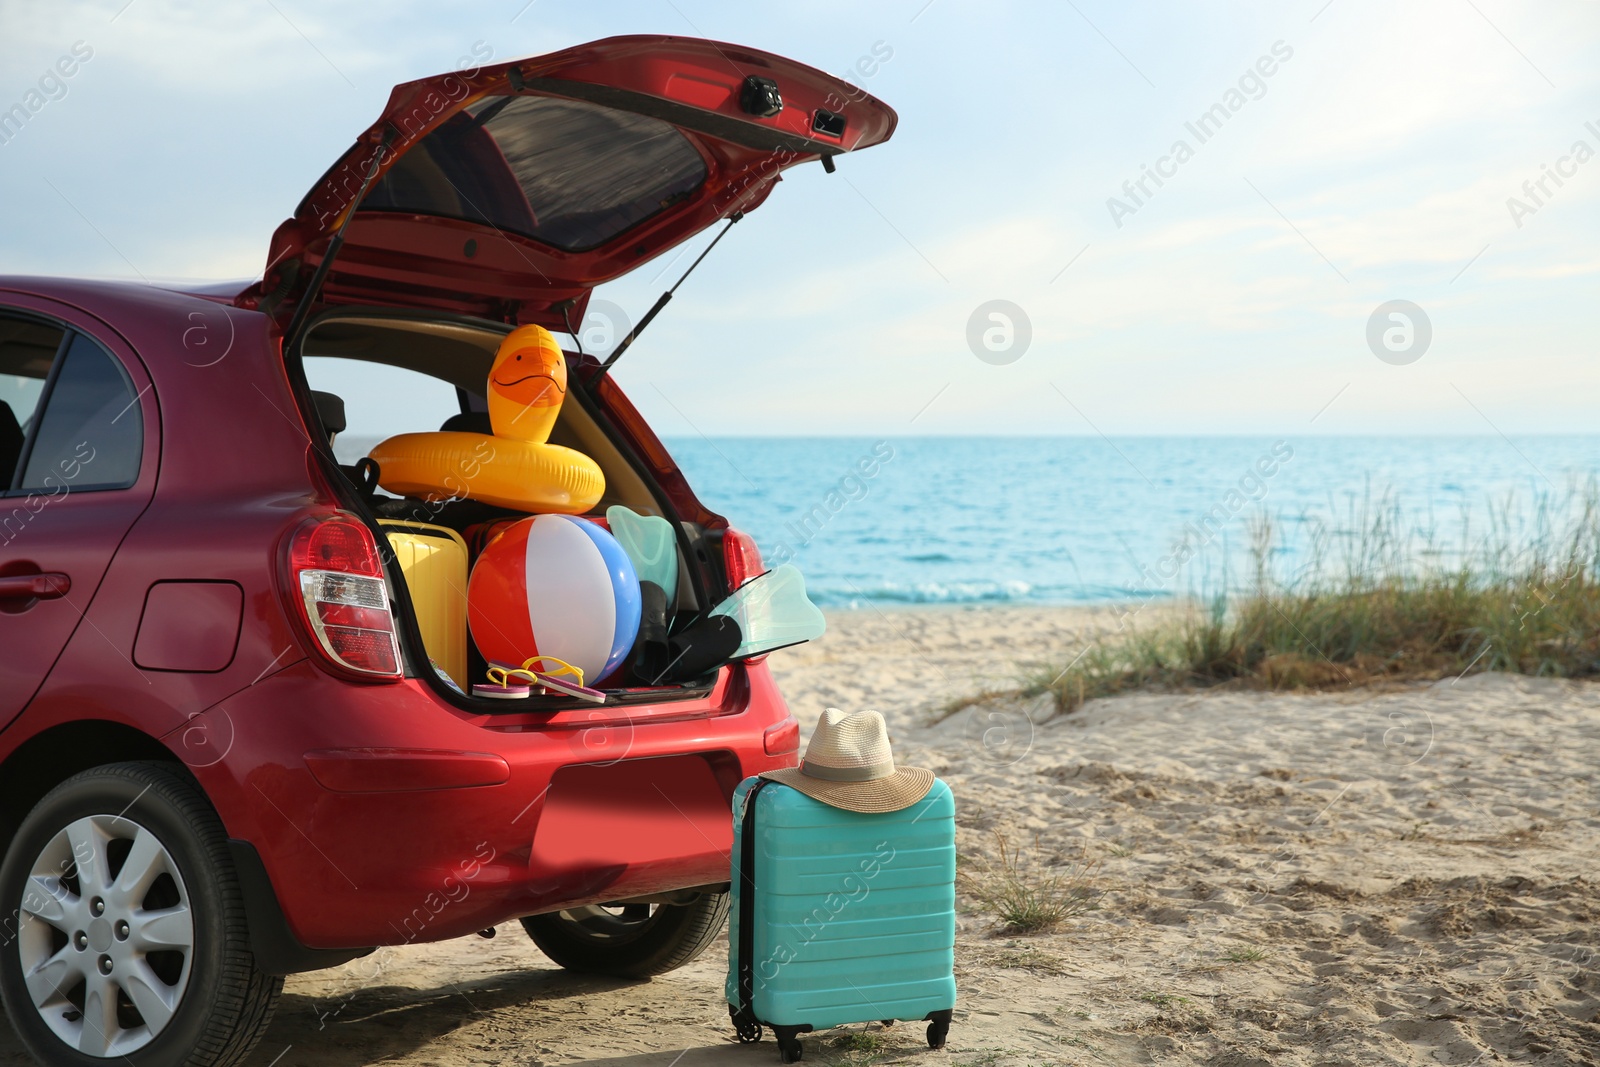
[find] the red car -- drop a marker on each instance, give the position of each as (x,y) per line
(210,777)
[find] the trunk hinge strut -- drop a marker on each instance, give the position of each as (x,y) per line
(660,303)
(303,310)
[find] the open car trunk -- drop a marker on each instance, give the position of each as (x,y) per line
(483,200)
(596,421)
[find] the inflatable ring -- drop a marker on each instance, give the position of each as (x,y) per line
(496,470)
(515,467)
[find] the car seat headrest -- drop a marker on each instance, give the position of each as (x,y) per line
(330,409)
(469,422)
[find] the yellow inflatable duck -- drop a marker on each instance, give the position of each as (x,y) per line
(516,467)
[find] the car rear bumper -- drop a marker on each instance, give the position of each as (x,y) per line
(384,816)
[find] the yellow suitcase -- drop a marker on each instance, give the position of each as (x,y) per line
(434,561)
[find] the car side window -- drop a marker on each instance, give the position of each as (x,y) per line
(91,434)
(27,349)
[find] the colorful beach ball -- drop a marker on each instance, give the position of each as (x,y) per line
(554,585)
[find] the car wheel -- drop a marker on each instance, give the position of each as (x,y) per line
(629,940)
(125,936)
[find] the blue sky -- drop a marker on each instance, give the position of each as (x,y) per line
(1374,164)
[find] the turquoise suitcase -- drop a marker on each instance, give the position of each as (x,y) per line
(843,917)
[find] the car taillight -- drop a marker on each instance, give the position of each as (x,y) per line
(336,579)
(741,559)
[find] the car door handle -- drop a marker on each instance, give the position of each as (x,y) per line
(48,586)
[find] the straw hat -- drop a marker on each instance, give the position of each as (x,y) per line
(848,765)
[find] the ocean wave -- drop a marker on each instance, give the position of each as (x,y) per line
(923,593)
(850,595)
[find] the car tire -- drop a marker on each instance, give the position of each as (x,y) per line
(629,940)
(141,953)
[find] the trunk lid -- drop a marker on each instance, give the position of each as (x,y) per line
(508,193)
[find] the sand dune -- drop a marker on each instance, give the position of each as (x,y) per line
(1398,877)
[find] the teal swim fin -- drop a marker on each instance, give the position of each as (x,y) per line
(651,545)
(773,611)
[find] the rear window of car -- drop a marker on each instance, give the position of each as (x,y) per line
(91,434)
(69,413)
(568,173)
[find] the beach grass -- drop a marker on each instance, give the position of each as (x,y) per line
(1027,895)
(859,1041)
(1375,601)
(1246,955)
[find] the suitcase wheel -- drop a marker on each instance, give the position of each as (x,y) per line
(938,1028)
(745,1026)
(887,1022)
(788,1042)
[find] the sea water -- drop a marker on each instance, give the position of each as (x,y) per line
(1077,520)
(1087,519)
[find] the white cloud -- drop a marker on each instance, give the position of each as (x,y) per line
(1374,78)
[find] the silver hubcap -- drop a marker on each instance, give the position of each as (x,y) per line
(106,936)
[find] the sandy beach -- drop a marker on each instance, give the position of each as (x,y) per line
(1405,876)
